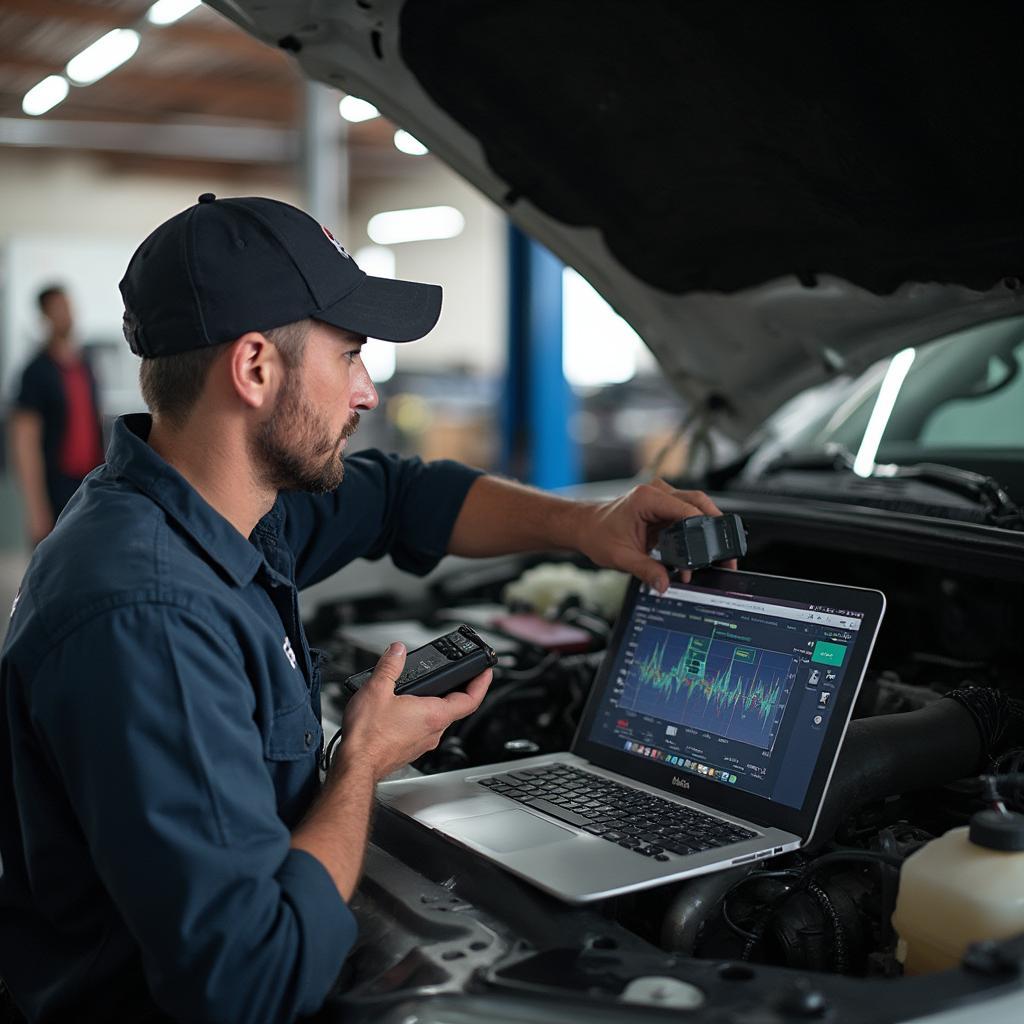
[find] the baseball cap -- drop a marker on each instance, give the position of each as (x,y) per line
(227,266)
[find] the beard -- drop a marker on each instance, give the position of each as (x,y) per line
(294,449)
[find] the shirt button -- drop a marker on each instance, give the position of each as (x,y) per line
(309,739)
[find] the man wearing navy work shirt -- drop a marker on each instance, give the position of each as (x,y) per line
(168,850)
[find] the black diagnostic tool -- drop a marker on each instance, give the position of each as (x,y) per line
(699,541)
(437,668)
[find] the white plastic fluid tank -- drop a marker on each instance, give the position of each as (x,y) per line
(965,886)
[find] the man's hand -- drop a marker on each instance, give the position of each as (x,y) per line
(619,534)
(384,732)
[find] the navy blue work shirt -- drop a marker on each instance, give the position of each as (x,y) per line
(160,729)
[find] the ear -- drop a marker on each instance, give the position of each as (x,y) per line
(255,369)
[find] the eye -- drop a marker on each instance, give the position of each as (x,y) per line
(353,355)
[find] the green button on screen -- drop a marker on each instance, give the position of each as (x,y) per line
(828,654)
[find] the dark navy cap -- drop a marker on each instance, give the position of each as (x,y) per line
(227,266)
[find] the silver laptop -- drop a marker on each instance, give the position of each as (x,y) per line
(708,739)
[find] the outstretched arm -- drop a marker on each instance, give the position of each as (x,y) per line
(500,517)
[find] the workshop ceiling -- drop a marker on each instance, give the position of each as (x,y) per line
(199,91)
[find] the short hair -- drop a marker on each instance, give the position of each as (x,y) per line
(171,385)
(47,293)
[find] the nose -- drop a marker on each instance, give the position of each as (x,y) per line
(364,394)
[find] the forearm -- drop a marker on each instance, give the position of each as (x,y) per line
(27,457)
(501,517)
(336,829)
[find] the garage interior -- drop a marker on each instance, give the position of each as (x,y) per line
(897,469)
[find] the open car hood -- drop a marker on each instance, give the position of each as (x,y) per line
(769,194)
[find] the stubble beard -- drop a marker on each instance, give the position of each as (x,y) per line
(294,449)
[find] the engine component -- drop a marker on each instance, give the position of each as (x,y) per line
(896,754)
(997,716)
(546,587)
(694,902)
(960,889)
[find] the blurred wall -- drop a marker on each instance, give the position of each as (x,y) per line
(471,267)
(71,219)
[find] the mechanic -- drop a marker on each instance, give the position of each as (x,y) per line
(168,848)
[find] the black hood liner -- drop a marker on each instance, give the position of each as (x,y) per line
(718,146)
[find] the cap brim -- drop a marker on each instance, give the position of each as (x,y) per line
(383,308)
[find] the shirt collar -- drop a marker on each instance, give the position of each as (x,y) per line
(130,456)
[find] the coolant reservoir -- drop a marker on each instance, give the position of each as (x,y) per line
(963,887)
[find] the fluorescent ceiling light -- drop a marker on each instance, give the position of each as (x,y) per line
(166,12)
(378,356)
(375,260)
(598,346)
(108,52)
(864,463)
(409,144)
(353,109)
(420,225)
(45,96)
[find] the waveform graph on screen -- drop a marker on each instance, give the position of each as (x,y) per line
(721,686)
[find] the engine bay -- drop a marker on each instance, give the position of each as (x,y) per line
(802,935)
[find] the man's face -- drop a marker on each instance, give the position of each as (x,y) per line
(57,309)
(299,447)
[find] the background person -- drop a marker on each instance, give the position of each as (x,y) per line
(55,431)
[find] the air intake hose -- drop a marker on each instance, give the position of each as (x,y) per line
(891,754)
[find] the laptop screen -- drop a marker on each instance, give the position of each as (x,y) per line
(732,688)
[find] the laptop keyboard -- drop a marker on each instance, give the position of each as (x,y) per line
(647,824)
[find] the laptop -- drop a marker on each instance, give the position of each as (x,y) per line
(708,739)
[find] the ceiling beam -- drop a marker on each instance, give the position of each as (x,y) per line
(220,144)
(226,143)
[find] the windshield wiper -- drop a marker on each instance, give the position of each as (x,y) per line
(982,490)
(985,490)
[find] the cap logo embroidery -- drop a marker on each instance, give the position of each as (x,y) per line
(289,653)
(337,245)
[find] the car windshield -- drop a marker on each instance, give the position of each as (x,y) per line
(958,400)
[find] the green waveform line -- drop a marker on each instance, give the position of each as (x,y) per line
(719,689)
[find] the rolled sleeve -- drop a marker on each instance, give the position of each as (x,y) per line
(386,505)
(149,718)
(325,921)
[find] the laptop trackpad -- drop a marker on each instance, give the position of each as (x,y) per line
(507,831)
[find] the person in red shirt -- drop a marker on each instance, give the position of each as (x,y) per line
(56,437)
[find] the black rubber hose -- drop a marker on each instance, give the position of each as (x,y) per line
(892,754)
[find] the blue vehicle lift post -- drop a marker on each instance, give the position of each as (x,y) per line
(536,442)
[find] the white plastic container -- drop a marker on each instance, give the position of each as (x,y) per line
(965,886)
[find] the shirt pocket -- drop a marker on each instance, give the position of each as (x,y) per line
(294,733)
